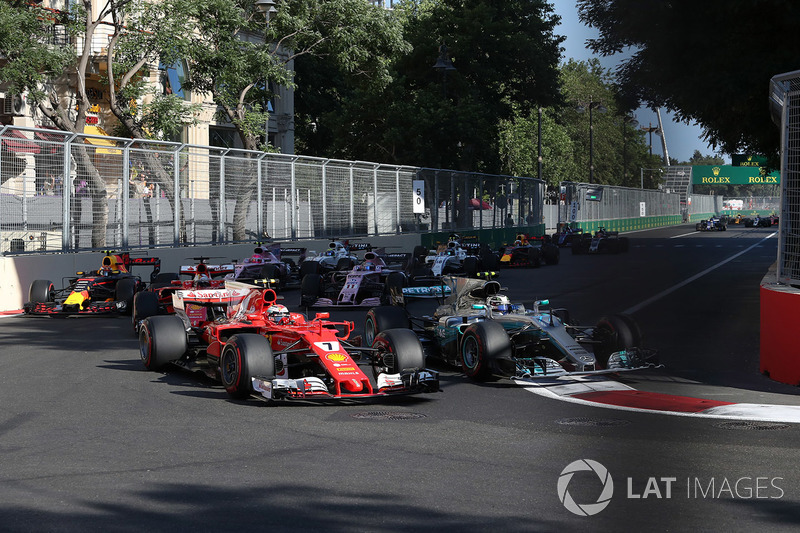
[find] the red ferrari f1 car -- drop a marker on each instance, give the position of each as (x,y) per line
(253,345)
(108,290)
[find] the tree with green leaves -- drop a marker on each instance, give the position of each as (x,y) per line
(708,62)
(238,58)
(504,57)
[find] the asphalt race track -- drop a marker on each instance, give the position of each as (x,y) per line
(91,441)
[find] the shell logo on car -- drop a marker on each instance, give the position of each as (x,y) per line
(338,357)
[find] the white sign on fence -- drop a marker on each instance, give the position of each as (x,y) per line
(419,196)
(642,209)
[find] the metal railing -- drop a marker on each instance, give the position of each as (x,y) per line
(67,192)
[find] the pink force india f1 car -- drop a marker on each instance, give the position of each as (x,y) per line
(243,337)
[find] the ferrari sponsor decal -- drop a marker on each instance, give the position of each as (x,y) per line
(336,357)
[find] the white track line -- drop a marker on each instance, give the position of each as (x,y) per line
(642,305)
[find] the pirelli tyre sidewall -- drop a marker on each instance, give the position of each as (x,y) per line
(125,291)
(481,344)
(244,356)
(162,339)
(398,349)
(41,291)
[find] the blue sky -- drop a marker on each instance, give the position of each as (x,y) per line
(682,139)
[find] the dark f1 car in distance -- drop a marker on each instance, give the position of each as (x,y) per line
(527,251)
(244,338)
(480,330)
(270,263)
(458,256)
(108,290)
(712,224)
(599,242)
(566,236)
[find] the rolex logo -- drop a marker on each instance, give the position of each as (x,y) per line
(715,170)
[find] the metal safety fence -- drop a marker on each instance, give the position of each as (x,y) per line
(67,192)
(586,202)
(784,99)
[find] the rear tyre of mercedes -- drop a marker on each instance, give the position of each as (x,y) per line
(383,318)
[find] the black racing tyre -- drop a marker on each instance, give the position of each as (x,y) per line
(125,291)
(614,333)
(309,267)
(345,264)
(310,289)
(470,266)
(534,257)
(145,305)
(481,344)
(551,254)
(698,227)
(393,289)
(398,350)
(420,252)
(41,290)
(383,318)
(161,339)
(244,356)
(489,260)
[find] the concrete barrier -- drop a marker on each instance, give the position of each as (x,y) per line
(780,315)
(18,272)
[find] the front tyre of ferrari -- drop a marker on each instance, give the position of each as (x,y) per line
(398,350)
(382,318)
(245,356)
(41,290)
(482,343)
(162,339)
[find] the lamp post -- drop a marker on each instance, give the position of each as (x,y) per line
(539,135)
(267,8)
(651,130)
(601,109)
(443,65)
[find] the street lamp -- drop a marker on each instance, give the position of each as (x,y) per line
(601,109)
(651,130)
(539,160)
(443,65)
(267,8)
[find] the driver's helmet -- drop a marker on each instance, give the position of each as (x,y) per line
(499,304)
(278,312)
(518,242)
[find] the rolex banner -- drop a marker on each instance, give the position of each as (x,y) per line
(730,175)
